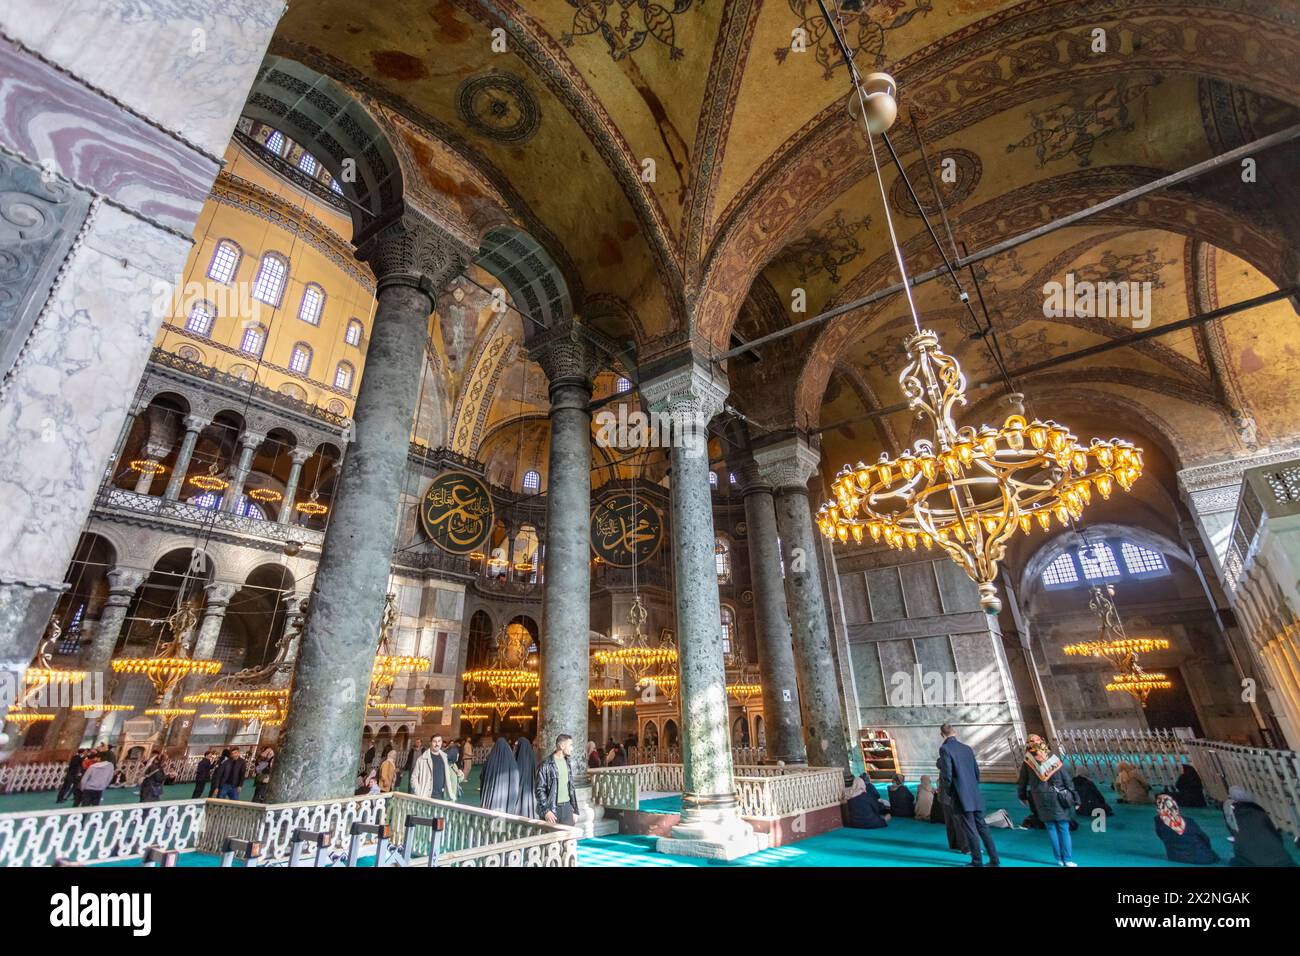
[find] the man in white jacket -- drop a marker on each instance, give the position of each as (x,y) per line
(434,775)
(95,781)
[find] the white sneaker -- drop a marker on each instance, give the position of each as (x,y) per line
(1069,864)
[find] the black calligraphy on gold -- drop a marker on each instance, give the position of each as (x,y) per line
(457,512)
(625,530)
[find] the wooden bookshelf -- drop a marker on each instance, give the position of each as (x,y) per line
(879,754)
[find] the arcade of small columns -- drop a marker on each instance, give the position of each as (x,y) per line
(413,260)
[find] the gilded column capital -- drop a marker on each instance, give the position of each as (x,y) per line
(412,250)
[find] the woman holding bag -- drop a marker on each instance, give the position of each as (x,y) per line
(1046,788)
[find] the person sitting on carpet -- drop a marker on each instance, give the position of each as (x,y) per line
(924,799)
(1045,786)
(901,801)
(1184,840)
(1131,785)
(863,808)
(1258,841)
(1188,790)
(1090,798)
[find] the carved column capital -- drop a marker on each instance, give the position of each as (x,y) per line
(196,423)
(300,456)
(251,439)
(751,479)
(219,594)
(569,355)
(788,463)
(123,583)
(413,250)
(689,391)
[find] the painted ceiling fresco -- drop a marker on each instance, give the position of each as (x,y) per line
(692,167)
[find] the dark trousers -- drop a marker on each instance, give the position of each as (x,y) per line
(91,798)
(956,833)
(198,789)
(67,788)
(564,814)
(976,830)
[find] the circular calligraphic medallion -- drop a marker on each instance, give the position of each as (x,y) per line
(457,512)
(625,530)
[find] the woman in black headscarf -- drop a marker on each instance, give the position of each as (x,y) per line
(1258,842)
(1090,797)
(526,761)
(499,785)
(1188,790)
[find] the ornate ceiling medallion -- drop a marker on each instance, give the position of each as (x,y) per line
(499,107)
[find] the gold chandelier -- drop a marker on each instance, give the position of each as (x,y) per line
(387,665)
(638,655)
(211,481)
(24,717)
(1120,650)
(1139,683)
(43,673)
(172,662)
(510,674)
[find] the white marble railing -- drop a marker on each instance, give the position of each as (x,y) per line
(763,791)
(476,837)
(98,834)
(48,775)
(1159,755)
(1273,776)
(120,500)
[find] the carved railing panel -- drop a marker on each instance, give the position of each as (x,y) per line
(99,834)
(1159,755)
(1273,776)
(119,500)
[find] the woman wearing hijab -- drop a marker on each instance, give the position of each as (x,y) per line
(1131,785)
(499,785)
(593,755)
(151,784)
(1188,791)
(1258,842)
(526,761)
(863,808)
(1184,840)
(924,798)
(1090,798)
(901,801)
(1045,786)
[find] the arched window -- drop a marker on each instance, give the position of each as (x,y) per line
(1098,561)
(248,509)
(300,358)
(307,163)
(722,560)
(622,385)
(354,332)
(343,376)
(208,500)
(728,629)
(202,314)
(253,340)
(532,481)
(275,142)
(1061,572)
(313,301)
(713,479)
(1139,560)
(731,477)
(335,187)
(224,261)
(268,287)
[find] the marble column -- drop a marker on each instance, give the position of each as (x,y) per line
(122,585)
(119,448)
(412,259)
(772,623)
(248,443)
(193,425)
(297,458)
(788,464)
(569,362)
(205,645)
(111,159)
(710,825)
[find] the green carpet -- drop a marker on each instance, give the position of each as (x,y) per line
(1128,841)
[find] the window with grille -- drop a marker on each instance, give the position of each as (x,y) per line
(353,335)
(307,163)
(268,287)
(313,301)
(1098,562)
(253,339)
(713,479)
(532,481)
(70,639)
(622,385)
(225,260)
(722,560)
(335,187)
(300,358)
(202,314)
(1061,571)
(1139,560)
(728,629)
(275,142)
(343,376)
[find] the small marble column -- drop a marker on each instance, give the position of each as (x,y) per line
(193,425)
(298,457)
(122,585)
(413,259)
(568,361)
(248,443)
(710,825)
(776,665)
(788,465)
(119,449)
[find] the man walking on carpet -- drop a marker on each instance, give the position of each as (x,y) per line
(433,775)
(557,801)
(958,766)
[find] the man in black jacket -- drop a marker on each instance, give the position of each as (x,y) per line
(230,776)
(71,776)
(557,800)
(203,773)
(957,765)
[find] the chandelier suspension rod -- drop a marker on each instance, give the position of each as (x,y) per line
(1173,179)
(1135,338)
